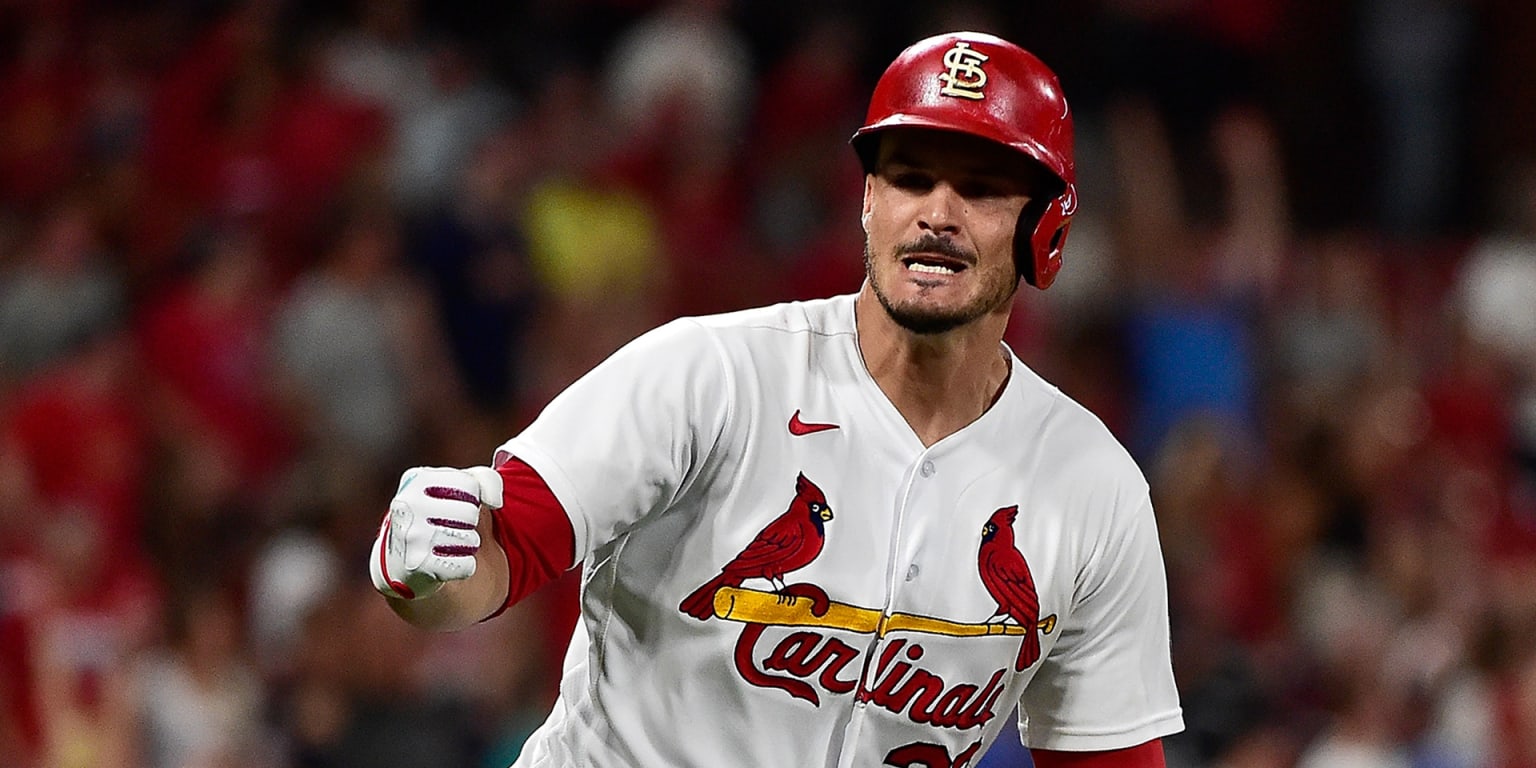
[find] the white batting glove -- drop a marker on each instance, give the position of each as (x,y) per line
(429,537)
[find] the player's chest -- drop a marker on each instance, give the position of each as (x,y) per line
(905,517)
(929,561)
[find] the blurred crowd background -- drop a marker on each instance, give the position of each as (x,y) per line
(256,258)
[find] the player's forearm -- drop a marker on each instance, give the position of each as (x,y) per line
(459,604)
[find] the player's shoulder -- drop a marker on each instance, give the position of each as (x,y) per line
(747,336)
(828,316)
(1076,437)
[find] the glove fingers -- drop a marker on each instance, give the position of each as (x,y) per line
(455,542)
(449,493)
(453,554)
(450,568)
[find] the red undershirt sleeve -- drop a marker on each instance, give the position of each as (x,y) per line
(532,529)
(1148,755)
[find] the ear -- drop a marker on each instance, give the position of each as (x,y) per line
(869,189)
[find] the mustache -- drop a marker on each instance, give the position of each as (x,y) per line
(931,243)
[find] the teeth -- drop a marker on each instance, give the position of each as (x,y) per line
(930,269)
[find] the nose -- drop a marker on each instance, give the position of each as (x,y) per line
(941,209)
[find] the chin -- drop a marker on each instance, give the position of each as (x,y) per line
(926,320)
(927,323)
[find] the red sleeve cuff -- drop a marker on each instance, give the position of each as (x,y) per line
(1148,755)
(532,529)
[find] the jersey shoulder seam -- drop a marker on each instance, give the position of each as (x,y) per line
(727,403)
(757,326)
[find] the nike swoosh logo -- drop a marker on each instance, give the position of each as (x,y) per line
(798,427)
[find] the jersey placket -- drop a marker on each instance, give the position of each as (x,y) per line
(917,482)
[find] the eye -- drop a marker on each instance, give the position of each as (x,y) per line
(910,180)
(815,507)
(980,188)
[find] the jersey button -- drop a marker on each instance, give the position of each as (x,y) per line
(912,571)
(927,469)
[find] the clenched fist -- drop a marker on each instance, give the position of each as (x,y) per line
(429,537)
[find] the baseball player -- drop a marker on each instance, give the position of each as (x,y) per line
(844,532)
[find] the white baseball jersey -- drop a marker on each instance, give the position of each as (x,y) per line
(746,466)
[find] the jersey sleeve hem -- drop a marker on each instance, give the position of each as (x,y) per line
(561,486)
(1086,740)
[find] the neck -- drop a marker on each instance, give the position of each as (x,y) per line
(939,382)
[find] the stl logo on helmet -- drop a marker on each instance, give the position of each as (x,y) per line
(964,77)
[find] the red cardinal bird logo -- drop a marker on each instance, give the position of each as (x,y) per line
(1006,577)
(787,544)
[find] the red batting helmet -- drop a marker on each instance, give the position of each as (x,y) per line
(985,86)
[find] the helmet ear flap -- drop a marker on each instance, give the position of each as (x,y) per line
(1024,262)
(1041,235)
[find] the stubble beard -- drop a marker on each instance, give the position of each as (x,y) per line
(929,321)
